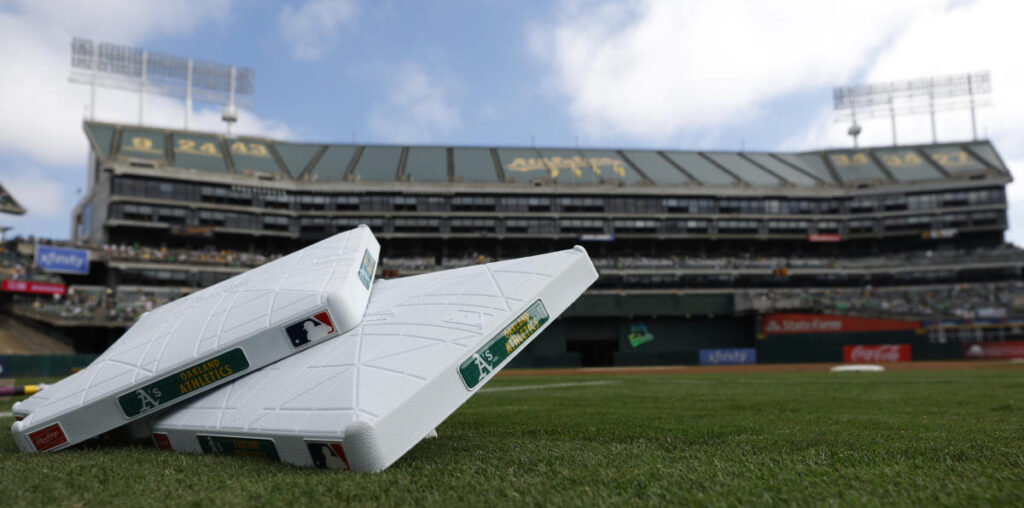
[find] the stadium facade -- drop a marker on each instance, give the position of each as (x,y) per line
(696,250)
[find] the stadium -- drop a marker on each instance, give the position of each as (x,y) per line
(708,364)
(696,250)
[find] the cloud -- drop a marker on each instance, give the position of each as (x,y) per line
(417,107)
(987,37)
(662,67)
(41,124)
(312,28)
(41,194)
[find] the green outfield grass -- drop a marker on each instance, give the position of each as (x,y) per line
(897,438)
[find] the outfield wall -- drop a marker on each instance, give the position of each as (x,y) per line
(603,334)
(14,366)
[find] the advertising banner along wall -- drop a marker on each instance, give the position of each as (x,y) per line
(62,260)
(35,288)
(876,353)
(1007,349)
(786,324)
(731,356)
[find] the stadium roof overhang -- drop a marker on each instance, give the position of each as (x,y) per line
(267,163)
(8,204)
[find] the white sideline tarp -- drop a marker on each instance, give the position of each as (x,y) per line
(211,337)
(361,401)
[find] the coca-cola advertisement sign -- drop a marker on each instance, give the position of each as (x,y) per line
(784,324)
(876,353)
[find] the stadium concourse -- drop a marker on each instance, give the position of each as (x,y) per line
(705,257)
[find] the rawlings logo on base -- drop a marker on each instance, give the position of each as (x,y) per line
(48,438)
(162,441)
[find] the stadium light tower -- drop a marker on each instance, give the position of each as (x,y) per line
(135,69)
(941,93)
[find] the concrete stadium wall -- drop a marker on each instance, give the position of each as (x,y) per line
(828,347)
(13,366)
(604,341)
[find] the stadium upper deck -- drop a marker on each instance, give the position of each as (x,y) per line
(176,188)
(264,159)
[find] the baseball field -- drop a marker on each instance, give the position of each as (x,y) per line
(677,437)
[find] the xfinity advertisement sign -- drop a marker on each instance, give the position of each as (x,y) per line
(62,260)
(732,356)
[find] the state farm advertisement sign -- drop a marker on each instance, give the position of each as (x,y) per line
(1007,349)
(35,288)
(878,353)
(784,324)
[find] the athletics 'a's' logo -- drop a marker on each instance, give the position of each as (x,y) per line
(314,328)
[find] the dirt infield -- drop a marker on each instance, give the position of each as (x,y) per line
(765,367)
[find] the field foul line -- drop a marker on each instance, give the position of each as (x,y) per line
(552,385)
(7,415)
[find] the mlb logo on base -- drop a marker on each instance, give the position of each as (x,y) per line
(311,329)
(328,455)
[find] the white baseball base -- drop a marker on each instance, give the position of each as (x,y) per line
(360,402)
(211,337)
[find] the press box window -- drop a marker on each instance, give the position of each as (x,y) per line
(312,202)
(346,203)
(861,226)
(787,226)
(738,226)
(278,201)
(171,215)
(860,205)
(828,226)
(346,223)
(276,223)
(985,218)
(473,203)
(532,226)
(581,204)
(405,203)
(417,225)
(313,224)
(472,226)
(636,226)
(954,220)
(581,226)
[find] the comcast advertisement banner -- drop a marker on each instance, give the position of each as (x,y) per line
(732,356)
(62,260)
(786,324)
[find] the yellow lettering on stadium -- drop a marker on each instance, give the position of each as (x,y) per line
(575,165)
(189,146)
(142,144)
(250,149)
